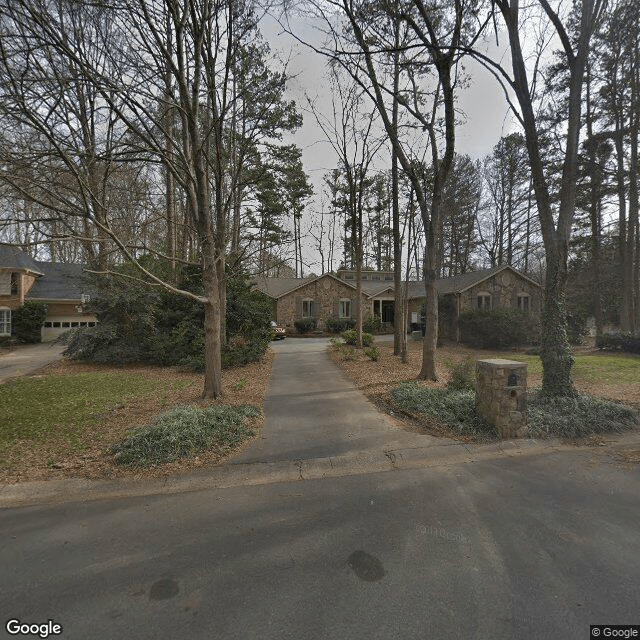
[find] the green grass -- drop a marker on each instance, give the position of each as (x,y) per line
(184,432)
(608,369)
(67,407)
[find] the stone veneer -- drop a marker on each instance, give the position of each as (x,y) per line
(501,395)
(326,293)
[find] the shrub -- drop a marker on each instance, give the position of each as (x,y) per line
(548,417)
(372,324)
(350,336)
(348,353)
(185,431)
(26,322)
(159,327)
(618,341)
(373,353)
(103,344)
(304,325)
(463,375)
(338,325)
(456,409)
(577,417)
(498,328)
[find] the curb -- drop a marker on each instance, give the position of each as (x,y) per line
(259,473)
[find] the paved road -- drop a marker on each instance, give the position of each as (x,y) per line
(526,547)
(28,358)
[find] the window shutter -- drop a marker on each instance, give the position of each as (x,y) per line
(351,313)
(337,313)
(298,306)
(315,307)
(5,283)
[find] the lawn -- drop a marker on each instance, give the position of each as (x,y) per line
(592,368)
(67,421)
(69,408)
(614,377)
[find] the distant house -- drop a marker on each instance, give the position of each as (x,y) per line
(335,296)
(60,286)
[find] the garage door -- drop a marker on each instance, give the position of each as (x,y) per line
(56,325)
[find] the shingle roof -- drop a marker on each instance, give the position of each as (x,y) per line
(276,287)
(14,258)
(60,282)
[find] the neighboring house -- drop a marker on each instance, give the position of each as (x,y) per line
(60,286)
(335,296)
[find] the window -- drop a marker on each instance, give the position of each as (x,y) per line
(85,297)
(484,301)
(15,279)
(524,303)
(307,308)
(5,322)
(344,309)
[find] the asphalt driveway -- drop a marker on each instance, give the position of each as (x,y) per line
(313,411)
(28,358)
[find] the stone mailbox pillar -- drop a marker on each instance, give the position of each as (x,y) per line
(501,395)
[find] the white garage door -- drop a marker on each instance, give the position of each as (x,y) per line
(55,325)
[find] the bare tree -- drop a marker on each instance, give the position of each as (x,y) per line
(141,60)
(574,36)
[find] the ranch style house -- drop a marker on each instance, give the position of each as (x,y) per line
(335,296)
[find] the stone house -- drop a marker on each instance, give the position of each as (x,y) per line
(335,296)
(322,297)
(60,286)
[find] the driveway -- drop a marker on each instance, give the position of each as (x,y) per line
(28,358)
(313,411)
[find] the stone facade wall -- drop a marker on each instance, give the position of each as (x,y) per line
(326,293)
(504,288)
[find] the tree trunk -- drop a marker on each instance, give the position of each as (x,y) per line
(398,313)
(555,352)
(430,341)
(212,323)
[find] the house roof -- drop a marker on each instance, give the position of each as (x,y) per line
(14,258)
(464,281)
(278,287)
(60,282)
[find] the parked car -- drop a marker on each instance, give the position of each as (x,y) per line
(279,332)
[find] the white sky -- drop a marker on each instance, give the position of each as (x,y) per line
(482,104)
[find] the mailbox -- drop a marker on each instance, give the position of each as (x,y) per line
(501,395)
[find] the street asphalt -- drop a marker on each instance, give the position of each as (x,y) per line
(520,541)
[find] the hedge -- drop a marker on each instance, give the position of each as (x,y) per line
(498,328)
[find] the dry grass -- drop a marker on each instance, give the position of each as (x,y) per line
(29,460)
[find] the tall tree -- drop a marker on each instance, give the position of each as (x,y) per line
(574,32)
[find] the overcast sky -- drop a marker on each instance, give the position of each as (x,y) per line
(482,103)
